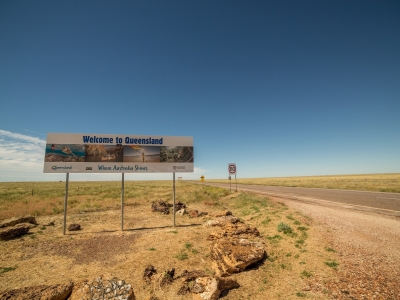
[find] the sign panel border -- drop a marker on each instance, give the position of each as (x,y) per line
(117,153)
(229,168)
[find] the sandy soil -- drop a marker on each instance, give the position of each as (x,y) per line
(368,245)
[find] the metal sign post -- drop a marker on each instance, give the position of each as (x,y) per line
(236,182)
(122,202)
(173,193)
(65,202)
(232,170)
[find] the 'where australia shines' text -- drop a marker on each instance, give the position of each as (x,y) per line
(87,139)
(121,168)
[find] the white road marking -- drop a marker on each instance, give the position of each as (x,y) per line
(351,205)
(304,198)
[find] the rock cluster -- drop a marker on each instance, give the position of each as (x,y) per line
(231,249)
(163,207)
(205,287)
(180,209)
(150,275)
(234,255)
(197,282)
(103,287)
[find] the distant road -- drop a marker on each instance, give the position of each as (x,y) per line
(385,203)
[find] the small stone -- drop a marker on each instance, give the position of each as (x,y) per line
(149,272)
(224,214)
(181,212)
(209,288)
(74,227)
(193,214)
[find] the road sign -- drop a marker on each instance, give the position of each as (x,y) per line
(232,169)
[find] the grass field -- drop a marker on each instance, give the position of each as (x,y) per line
(366,182)
(47,198)
(297,253)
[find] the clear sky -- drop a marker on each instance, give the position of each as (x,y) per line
(281,88)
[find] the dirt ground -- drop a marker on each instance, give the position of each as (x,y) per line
(368,245)
(365,247)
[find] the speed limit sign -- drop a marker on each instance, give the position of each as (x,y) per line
(232,169)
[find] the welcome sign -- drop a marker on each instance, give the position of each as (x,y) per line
(110,153)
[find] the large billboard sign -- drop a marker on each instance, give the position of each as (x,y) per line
(121,153)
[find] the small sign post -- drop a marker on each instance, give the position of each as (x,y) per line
(173,196)
(232,171)
(65,202)
(122,201)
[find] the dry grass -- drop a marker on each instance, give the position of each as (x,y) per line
(364,182)
(47,198)
(45,256)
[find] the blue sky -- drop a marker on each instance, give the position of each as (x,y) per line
(281,88)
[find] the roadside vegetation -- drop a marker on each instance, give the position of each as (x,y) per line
(365,182)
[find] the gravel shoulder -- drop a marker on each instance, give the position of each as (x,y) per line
(368,245)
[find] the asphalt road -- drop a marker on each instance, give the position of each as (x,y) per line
(385,203)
